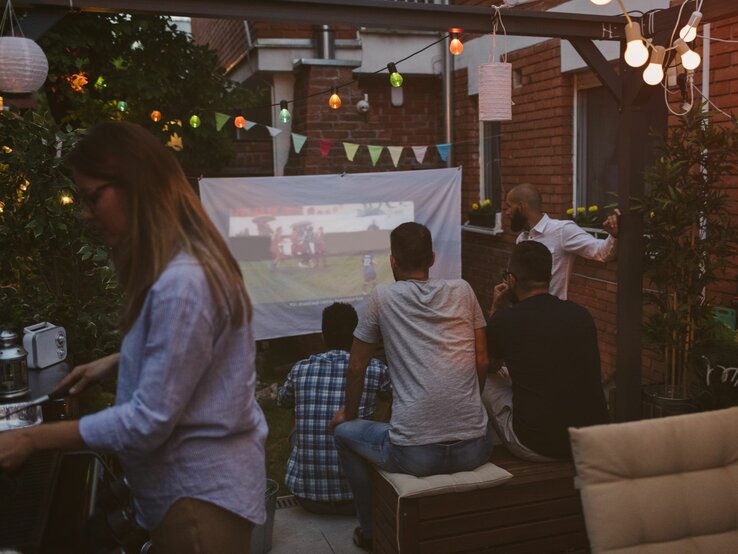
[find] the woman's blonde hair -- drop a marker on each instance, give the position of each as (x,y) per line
(165,217)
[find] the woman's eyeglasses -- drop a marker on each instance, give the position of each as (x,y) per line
(90,199)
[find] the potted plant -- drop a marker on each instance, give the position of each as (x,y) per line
(585,216)
(482,214)
(691,237)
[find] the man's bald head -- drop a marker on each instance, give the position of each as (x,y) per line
(527,193)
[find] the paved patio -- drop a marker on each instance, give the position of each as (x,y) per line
(299,532)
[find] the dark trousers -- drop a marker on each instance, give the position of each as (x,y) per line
(339,508)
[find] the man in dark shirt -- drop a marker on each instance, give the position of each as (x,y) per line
(549,347)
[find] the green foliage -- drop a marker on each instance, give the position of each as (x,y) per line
(691,236)
(150,65)
(52,268)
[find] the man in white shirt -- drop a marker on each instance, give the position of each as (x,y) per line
(565,239)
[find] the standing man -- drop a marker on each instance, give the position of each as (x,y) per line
(550,349)
(315,389)
(565,239)
(433,332)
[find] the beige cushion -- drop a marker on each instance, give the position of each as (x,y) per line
(487,475)
(660,485)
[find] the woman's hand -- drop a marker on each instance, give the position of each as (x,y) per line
(83,375)
(15,448)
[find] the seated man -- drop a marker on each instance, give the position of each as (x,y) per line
(433,332)
(315,388)
(550,349)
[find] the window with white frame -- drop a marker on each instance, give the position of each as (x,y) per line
(595,156)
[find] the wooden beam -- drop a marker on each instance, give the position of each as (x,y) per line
(664,21)
(366,13)
(601,67)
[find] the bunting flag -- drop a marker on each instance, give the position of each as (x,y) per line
(350,149)
(220,120)
(298,141)
(250,124)
(395,153)
(272,130)
(375,152)
(443,150)
(325,147)
(419,152)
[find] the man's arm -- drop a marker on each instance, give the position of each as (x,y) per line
(480,347)
(576,240)
(359,358)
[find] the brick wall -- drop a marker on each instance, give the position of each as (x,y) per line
(418,122)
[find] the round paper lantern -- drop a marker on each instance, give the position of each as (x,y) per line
(24,65)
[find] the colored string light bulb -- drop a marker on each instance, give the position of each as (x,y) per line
(284,113)
(155,116)
(65,199)
(239,121)
(334,101)
(456,47)
(122,105)
(395,77)
(195,121)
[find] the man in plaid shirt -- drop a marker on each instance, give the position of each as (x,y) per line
(315,389)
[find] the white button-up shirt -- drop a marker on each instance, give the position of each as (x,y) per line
(566,240)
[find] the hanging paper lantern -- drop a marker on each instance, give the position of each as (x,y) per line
(24,65)
(195,122)
(122,105)
(155,116)
(239,121)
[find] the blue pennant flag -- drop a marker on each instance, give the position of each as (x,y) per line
(443,150)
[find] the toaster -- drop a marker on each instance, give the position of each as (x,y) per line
(45,343)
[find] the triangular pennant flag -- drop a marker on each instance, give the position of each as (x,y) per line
(272,130)
(220,120)
(298,141)
(375,152)
(443,150)
(325,147)
(350,149)
(395,152)
(249,124)
(419,152)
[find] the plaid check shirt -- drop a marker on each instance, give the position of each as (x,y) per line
(315,388)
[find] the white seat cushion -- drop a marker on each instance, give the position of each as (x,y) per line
(487,475)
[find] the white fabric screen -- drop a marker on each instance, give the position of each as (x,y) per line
(304,242)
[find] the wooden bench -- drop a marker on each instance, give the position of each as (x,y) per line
(537,511)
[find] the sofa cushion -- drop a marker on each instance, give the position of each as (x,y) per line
(660,485)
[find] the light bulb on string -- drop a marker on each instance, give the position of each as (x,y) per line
(600,2)
(456,47)
(636,53)
(334,101)
(195,121)
(394,77)
(690,58)
(689,32)
(239,121)
(122,105)
(284,112)
(155,116)
(654,72)
(65,199)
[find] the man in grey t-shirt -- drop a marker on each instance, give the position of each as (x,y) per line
(433,332)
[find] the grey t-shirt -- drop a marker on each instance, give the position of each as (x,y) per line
(428,330)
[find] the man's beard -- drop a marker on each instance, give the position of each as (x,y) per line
(517,221)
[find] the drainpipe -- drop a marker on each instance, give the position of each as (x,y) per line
(326,43)
(448,100)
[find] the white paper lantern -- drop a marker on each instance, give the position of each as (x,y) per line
(495,91)
(23,65)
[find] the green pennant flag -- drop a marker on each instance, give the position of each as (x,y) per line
(375,152)
(350,149)
(220,120)
(298,141)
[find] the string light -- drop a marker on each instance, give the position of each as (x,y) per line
(155,116)
(284,113)
(690,58)
(689,32)
(636,53)
(334,101)
(394,77)
(654,72)
(122,105)
(65,199)
(600,2)
(195,121)
(100,83)
(239,121)
(456,47)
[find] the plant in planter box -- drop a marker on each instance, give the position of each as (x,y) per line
(691,237)
(588,216)
(482,214)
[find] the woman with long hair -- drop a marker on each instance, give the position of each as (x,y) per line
(185,425)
